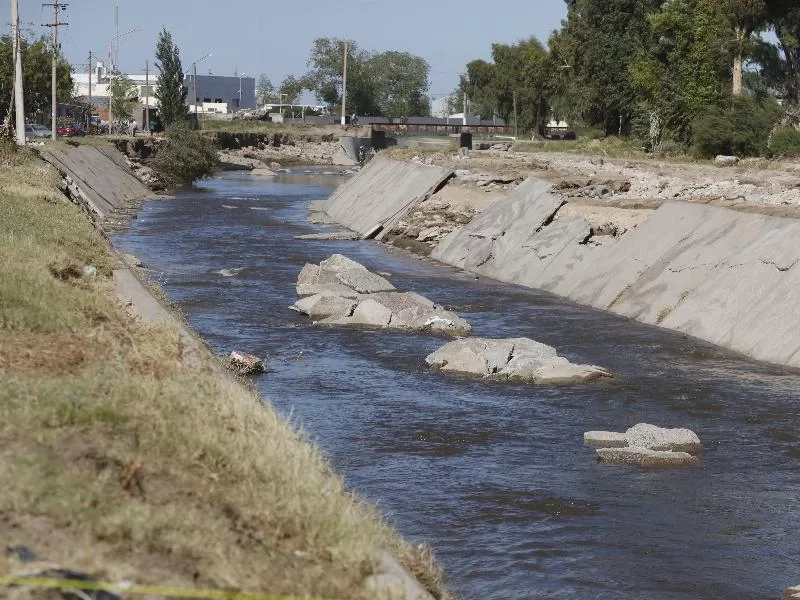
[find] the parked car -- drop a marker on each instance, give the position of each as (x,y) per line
(34,130)
(69,130)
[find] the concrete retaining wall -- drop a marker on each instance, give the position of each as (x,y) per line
(382,193)
(100,178)
(727,277)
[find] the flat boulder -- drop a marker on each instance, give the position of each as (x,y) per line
(325,306)
(605,439)
(643,457)
(519,360)
(652,437)
(340,270)
(647,446)
(330,289)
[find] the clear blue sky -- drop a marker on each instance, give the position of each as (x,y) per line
(258,36)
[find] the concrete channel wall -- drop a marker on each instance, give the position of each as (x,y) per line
(727,277)
(382,193)
(99,177)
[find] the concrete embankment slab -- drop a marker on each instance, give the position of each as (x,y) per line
(382,193)
(720,275)
(104,180)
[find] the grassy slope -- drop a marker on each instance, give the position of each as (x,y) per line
(232,496)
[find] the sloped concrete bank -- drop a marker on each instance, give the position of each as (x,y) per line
(91,172)
(98,179)
(727,277)
(382,193)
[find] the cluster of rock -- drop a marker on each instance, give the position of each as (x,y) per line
(297,151)
(340,291)
(646,445)
(520,360)
(432,220)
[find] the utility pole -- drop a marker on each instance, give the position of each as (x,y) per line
(344,87)
(516,134)
(19,99)
(54,26)
(89,124)
(146,96)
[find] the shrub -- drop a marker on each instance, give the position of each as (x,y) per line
(785,142)
(742,130)
(187,155)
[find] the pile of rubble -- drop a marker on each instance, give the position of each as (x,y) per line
(340,291)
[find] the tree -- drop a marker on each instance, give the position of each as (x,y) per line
(121,87)
(36,69)
(597,42)
(784,16)
(683,72)
(265,89)
(170,93)
(290,90)
(388,83)
(325,77)
(399,83)
(744,17)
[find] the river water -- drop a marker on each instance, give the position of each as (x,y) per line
(496,477)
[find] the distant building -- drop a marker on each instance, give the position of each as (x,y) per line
(215,90)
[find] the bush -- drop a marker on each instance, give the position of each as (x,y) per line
(742,130)
(785,142)
(187,155)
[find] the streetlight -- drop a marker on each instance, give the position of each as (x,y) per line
(240,90)
(113,67)
(194,81)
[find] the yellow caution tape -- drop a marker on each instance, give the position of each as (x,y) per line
(148,590)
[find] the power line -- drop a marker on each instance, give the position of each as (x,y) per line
(56,6)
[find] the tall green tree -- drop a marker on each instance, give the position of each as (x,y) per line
(388,83)
(399,83)
(170,93)
(121,89)
(597,42)
(744,18)
(264,90)
(290,89)
(684,71)
(36,69)
(784,17)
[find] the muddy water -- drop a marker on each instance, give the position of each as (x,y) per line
(495,477)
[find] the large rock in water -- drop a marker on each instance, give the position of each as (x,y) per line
(340,291)
(338,270)
(646,445)
(518,360)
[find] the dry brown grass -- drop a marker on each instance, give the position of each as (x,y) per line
(227,494)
